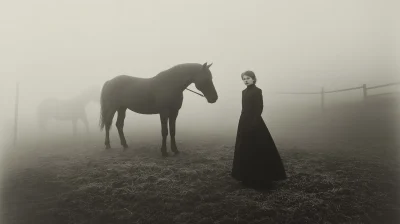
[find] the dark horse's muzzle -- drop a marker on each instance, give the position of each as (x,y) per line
(212,99)
(209,93)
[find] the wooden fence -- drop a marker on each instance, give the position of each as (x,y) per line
(323,92)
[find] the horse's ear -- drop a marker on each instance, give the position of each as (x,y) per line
(205,65)
(208,66)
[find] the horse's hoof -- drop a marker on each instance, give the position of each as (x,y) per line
(165,154)
(176,152)
(125,146)
(108,147)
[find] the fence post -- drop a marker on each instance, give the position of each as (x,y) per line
(365,91)
(16,114)
(322,99)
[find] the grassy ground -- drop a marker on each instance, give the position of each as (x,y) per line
(333,177)
(85,185)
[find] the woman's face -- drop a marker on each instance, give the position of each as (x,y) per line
(247,80)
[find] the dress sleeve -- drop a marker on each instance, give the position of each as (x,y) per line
(258,102)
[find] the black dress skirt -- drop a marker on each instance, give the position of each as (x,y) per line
(256,158)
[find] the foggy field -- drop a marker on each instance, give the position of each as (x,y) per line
(342,167)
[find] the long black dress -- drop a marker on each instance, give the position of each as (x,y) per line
(256,158)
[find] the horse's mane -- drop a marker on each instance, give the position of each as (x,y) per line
(180,69)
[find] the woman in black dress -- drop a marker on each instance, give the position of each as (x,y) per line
(256,159)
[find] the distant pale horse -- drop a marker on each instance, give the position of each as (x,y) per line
(161,94)
(67,109)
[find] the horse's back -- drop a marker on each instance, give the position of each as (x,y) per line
(124,81)
(58,109)
(126,90)
(48,103)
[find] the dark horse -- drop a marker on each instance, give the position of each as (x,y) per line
(67,109)
(161,94)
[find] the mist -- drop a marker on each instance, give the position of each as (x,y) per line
(58,49)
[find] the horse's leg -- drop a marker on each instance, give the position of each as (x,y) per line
(85,122)
(120,126)
(43,122)
(74,123)
(107,124)
(172,127)
(164,132)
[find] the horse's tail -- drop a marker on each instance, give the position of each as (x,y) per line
(103,105)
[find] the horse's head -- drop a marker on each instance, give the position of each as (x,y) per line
(203,82)
(91,94)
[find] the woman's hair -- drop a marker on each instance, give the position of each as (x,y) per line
(250,74)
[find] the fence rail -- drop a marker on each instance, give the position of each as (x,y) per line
(390,84)
(343,90)
(363,87)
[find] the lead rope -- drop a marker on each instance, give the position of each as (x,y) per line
(195,92)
